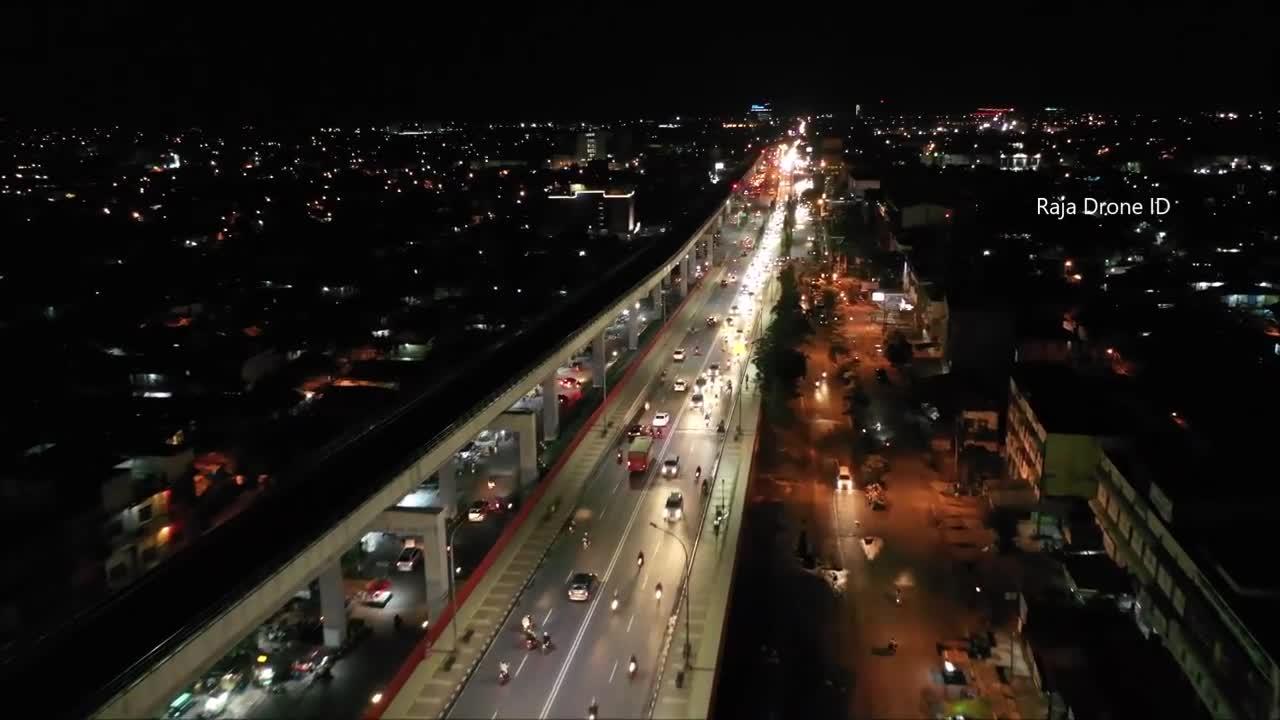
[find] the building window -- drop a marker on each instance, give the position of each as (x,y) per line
(144,513)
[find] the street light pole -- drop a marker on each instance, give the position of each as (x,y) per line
(688,592)
(453,598)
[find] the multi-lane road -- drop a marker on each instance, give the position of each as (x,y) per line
(592,643)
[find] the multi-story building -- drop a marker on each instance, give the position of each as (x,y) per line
(136,501)
(592,145)
(600,212)
(1196,550)
(1058,422)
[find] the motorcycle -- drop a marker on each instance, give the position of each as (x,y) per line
(546,644)
(720,427)
(614,604)
(631,668)
(530,642)
(503,677)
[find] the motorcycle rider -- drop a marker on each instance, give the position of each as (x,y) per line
(640,559)
(504,670)
(614,604)
(526,623)
(593,709)
(697,473)
(631,668)
(546,639)
(658,591)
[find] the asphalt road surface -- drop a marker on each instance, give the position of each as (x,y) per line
(592,643)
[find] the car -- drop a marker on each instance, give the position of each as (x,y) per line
(844,479)
(680,385)
(675,506)
(671,467)
(569,382)
(661,419)
(478,510)
(930,411)
(636,431)
(724,283)
(696,400)
(713,369)
(314,660)
(487,442)
(733,310)
(700,383)
(882,375)
(712,320)
(468,452)
(581,585)
(410,558)
(678,355)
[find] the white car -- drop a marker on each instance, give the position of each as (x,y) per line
(678,355)
(680,385)
(844,479)
(487,442)
(661,419)
(477,511)
(696,400)
(713,369)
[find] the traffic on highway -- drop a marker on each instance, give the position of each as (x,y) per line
(585,636)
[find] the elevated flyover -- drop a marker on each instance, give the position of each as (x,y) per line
(128,656)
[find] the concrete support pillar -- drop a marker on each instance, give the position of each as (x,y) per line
(435,565)
(333,605)
(659,304)
(550,407)
(633,327)
(448,493)
(711,251)
(686,271)
(599,361)
(525,427)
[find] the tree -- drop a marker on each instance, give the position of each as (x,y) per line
(898,351)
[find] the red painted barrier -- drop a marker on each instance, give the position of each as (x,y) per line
(437,626)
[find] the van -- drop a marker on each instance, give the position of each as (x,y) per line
(844,479)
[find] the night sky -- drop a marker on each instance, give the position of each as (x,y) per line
(227,62)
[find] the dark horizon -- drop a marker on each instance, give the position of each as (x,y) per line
(107,66)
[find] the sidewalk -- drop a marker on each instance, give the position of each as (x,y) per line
(439,677)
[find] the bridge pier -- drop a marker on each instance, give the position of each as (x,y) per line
(448,491)
(550,407)
(525,425)
(685,271)
(428,528)
(659,307)
(633,327)
(333,605)
(599,361)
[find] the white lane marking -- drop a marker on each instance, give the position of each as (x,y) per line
(523,660)
(613,672)
(633,619)
(548,617)
(494,716)
(577,640)
(644,577)
(568,577)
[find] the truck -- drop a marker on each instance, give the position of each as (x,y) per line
(639,454)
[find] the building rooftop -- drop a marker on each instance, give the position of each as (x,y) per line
(1067,402)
